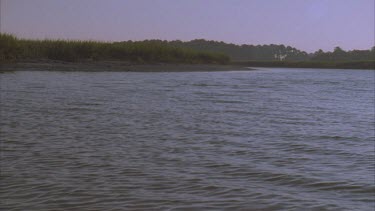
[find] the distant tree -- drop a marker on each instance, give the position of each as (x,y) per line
(338,50)
(338,54)
(319,52)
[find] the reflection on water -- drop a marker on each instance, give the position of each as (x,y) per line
(277,139)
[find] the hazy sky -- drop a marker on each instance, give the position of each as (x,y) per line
(304,24)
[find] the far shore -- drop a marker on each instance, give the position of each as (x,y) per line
(126,66)
(367,65)
(118,66)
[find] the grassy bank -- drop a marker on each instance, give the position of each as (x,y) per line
(148,52)
(310,64)
(114,66)
(14,49)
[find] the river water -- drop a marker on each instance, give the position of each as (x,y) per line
(271,139)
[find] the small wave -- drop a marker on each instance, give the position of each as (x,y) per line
(229,101)
(204,85)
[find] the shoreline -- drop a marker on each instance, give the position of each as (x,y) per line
(364,65)
(116,66)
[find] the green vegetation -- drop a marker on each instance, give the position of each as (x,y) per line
(192,52)
(12,49)
(285,56)
(9,47)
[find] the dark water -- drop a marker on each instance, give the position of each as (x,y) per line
(277,139)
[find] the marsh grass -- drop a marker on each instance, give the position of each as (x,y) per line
(12,49)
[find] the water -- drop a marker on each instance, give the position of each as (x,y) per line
(273,139)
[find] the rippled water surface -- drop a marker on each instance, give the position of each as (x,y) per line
(273,139)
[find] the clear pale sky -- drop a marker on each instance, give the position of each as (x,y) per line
(305,24)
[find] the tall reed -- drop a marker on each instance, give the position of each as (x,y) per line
(12,48)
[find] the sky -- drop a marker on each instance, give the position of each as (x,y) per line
(308,25)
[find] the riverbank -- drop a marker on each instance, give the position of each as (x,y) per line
(121,66)
(310,64)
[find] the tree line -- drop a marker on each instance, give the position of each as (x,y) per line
(339,54)
(195,51)
(276,52)
(246,52)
